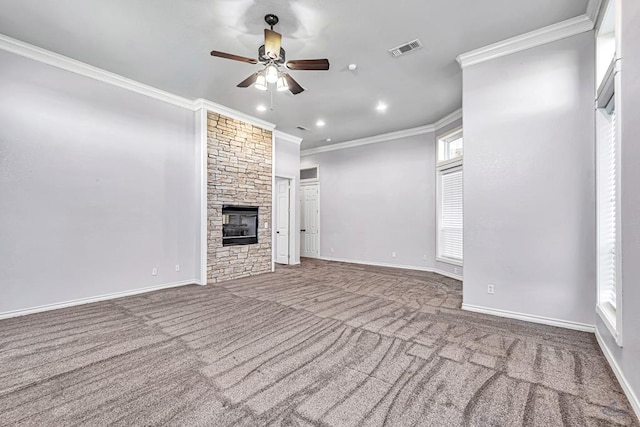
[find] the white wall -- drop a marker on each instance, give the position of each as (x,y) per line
(529,191)
(287,164)
(377,199)
(627,358)
(97,187)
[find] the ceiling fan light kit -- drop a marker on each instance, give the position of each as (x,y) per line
(261,82)
(272,73)
(281,84)
(272,56)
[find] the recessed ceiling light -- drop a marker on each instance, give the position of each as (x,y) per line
(353,67)
(328,139)
(381,107)
(320,123)
(261,108)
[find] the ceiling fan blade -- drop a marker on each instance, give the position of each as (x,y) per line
(249,80)
(233,57)
(294,87)
(308,64)
(272,43)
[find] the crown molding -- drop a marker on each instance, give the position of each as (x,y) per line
(63,62)
(449,119)
(200,104)
(370,140)
(559,31)
(593,10)
(445,121)
(287,137)
(44,56)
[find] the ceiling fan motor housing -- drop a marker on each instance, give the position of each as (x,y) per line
(264,58)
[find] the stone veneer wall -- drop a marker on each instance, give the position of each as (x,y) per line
(238,173)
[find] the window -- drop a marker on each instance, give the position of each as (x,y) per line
(607,211)
(450,146)
(608,218)
(450,198)
(608,307)
(309,174)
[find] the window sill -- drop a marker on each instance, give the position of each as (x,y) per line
(451,261)
(608,315)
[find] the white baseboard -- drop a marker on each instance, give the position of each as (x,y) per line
(531,318)
(291,263)
(81,301)
(404,267)
(447,274)
(628,391)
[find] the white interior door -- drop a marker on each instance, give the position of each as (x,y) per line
(310,221)
(282,220)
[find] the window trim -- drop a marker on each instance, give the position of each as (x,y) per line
(441,141)
(310,180)
(607,314)
(610,316)
(440,170)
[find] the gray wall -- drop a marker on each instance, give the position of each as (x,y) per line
(287,164)
(378,199)
(628,357)
(529,186)
(97,187)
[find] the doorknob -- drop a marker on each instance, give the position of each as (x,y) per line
(277,232)
(303,229)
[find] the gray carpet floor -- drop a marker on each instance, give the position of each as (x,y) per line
(321,344)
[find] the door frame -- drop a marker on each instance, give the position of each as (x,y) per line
(307,183)
(292,218)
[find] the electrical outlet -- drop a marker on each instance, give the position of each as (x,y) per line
(455,270)
(331,250)
(490,289)
(393,254)
(154,272)
(266,225)
(177,267)
(425,257)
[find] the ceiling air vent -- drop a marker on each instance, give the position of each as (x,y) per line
(303,128)
(406,48)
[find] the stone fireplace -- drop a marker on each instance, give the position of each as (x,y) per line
(238,185)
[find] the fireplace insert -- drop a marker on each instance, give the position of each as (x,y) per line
(239,225)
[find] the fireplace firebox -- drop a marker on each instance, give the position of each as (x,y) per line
(239,225)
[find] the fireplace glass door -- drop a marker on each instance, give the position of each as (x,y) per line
(239,225)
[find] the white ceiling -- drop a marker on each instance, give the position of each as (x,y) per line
(166,44)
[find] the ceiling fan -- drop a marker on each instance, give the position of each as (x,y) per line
(272,55)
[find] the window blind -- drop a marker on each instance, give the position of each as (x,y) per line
(451,210)
(607,227)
